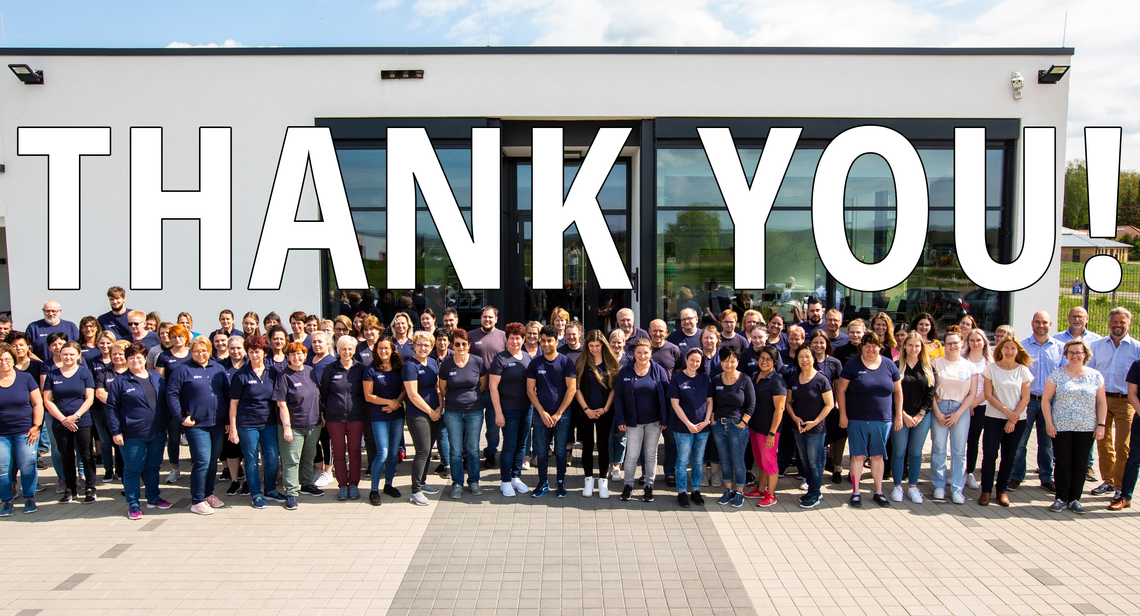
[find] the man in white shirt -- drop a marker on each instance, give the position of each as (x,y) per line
(1078,318)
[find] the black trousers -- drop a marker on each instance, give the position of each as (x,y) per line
(973,439)
(995,441)
(1070,460)
(67,441)
(586,433)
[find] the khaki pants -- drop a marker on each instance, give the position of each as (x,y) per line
(297,458)
(1113,452)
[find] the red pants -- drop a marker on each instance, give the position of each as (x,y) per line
(341,434)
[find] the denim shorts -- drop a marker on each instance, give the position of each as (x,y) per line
(867,437)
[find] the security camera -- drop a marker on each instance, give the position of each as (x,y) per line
(1018,84)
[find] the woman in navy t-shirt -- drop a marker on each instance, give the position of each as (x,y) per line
(384,392)
(810,401)
(597,369)
(108,451)
(68,395)
(691,402)
(21,414)
(734,402)
(462,380)
(253,420)
(869,395)
(506,380)
(421,382)
(764,428)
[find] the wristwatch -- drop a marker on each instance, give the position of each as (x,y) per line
(771,434)
(1100,425)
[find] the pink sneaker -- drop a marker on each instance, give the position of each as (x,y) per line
(215,502)
(202,508)
(754,493)
(767,501)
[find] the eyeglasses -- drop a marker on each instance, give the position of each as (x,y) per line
(764,359)
(134,323)
(1075,353)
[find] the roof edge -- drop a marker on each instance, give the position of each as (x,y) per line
(526,50)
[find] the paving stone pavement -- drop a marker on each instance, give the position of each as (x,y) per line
(491,554)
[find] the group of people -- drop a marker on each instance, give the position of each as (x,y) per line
(328,398)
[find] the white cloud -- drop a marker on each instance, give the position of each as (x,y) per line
(227,43)
(386,4)
(437,8)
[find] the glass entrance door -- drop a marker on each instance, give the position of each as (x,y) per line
(579,295)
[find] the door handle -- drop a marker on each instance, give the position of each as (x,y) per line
(634,281)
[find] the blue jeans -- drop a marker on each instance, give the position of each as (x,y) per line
(463,436)
(906,448)
(515,434)
(958,434)
(670,451)
(812,450)
(142,457)
(443,445)
(49,427)
(617,446)
(265,438)
(690,450)
(542,435)
(492,427)
(205,447)
(731,441)
(15,448)
(1033,416)
(387,435)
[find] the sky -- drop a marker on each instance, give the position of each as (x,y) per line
(1104,84)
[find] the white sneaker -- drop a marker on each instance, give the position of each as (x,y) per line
(507,489)
(419,499)
(588,490)
(526,463)
(323,479)
(615,473)
(804,486)
(183,441)
(972,482)
(603,488)
(958,498)
(519,486)
(173,476)
(939,494)
(202,508)
(915,495)
(897,494)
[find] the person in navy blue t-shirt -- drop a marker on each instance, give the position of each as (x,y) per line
(253,420)
(115,320)
(506,382)
(689,396)
(21,414)
(137,419)
(551,382)
(68,395)
(198,393)
(384,392)
(39,330)
(424,414)
(869,395)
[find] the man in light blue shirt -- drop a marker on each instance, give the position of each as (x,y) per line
(1078,318)
(1046,355)
(1112,357)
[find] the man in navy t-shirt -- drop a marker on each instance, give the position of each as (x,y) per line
(51,323)
(688,337)
(115,320)
(550,384)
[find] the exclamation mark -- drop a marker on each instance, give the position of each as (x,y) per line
(1102,162)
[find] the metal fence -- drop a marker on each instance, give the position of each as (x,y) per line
(1074,292)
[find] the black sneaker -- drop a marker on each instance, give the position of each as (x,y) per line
(245,488)
(683,500)
(750,478)
(697,499)
(234,488)
(641,480)
(647,497)
(68,497)
(856,501)
(626,493)
(390,490)
(312,490)
(670,482)
(440,469)
(241,472)
(881,499)
(108,476)
(837,476)
(225,475)
(374,499)
(89,497)
(490,460)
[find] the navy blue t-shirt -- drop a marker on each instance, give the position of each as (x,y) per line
(733,401)
(594,391)
(550,380)
(40,330)
(564,349)
(870,393)
(406,350)
(387,384)
(150,340)
(683,342)
(668,356)
(298,390)
(16,405)
(463,395)
(170,362)
(426,377)
(342,392)
(116,324)
(91,355)
(35,369)
(68,393)
(640,399)
(254,394)
(807,399)
(765,389)
(692,393)
(512,380)
(319,366)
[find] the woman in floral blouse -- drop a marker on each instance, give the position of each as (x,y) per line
(1075,407)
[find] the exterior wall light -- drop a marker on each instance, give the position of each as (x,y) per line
(1053,74)
(27,75)
(412,74)
(1018,84)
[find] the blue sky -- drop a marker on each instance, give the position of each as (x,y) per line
(1104,83)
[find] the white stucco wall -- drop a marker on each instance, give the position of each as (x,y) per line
(261,95)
